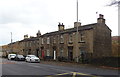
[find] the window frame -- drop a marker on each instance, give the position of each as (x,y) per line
(42,40)
(70,39)
(48,52)
(48,40)
(82,37)
(61,38)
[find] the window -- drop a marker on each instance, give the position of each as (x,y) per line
(48,40)
(54,40)
(61,52)
(30,43)
(27,44)
(82,37)
(42,41)
(34,42)
(61,39)
(48,53)
(70,38)
(82,51)
(58,41)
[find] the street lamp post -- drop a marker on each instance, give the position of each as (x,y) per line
(77,36)
(11,41)
(77,10)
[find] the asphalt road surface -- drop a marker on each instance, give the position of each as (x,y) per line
(24,69)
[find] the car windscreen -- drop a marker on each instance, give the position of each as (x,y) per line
(33,56)
(12,55)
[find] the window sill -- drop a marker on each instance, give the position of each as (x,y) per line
(81,42)
(61,43)
(70,42)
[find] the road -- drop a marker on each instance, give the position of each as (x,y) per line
(21,68)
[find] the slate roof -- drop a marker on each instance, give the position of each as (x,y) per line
(30,39)
(70,30)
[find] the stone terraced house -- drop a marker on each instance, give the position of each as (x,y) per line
(88,41)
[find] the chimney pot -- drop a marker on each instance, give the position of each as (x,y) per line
(60,27)
(101,16)
(59,23)
(101,19)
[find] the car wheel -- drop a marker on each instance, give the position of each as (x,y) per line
(30,61)
(26,60)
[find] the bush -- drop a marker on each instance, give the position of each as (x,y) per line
(62,59)
(48,58)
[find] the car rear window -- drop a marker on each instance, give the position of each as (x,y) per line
(12,55)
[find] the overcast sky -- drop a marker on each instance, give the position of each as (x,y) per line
(28,16)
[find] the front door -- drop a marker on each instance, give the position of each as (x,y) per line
(70,53)
(42,52)
(54,53)
(37,52)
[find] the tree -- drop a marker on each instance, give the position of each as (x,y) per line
(115,2)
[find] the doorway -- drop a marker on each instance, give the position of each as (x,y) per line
(70,53)
(54,53)
(42,53)
(37,52)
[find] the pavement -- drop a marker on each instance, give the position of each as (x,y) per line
(73,64)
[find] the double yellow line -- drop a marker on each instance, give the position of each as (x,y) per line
(73,74)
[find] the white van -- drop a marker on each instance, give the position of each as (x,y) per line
(11,56)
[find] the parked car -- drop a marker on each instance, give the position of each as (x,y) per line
(19,58)
(11,56)
(32,58)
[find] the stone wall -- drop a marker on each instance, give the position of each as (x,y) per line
(102,41)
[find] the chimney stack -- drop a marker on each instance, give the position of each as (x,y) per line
(38,33)
(77,24)
(60,27)
(26,36)
(101,19)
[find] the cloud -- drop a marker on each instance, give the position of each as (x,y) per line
(21,12)
(28,16)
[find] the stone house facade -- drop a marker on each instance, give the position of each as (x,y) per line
(88,41)
(94,41)
(30,45)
